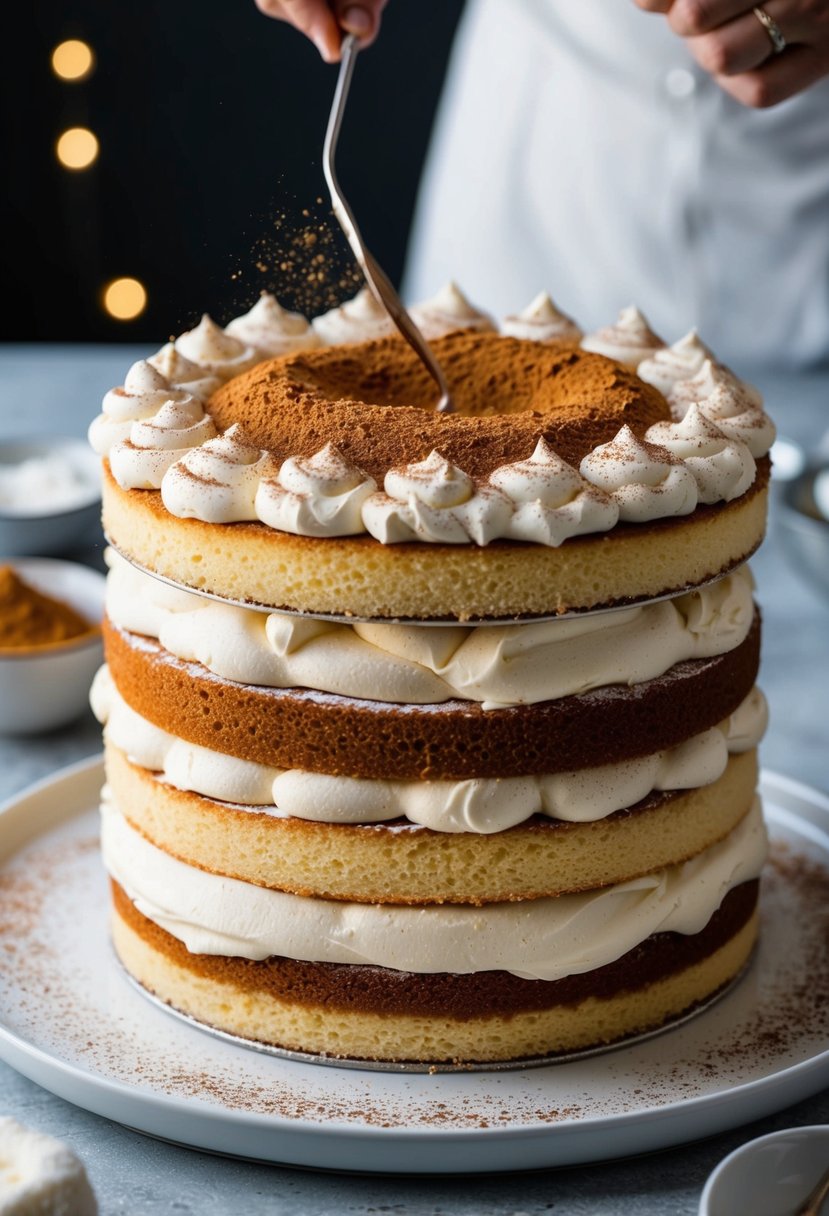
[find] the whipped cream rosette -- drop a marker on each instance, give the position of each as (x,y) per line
(541,321)
(272,329)
(630,340)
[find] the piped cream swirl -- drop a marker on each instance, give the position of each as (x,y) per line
(733,405)
(541,321)
(722,467)
(320,495)
(272,329)
(218,352)
(146,426)
(709,376)
(357,320)
(544,939)
(447,311)
(646,481)
(184,372)
(144,391)
(140,462)
(630,340)
(218,481)
(673,363)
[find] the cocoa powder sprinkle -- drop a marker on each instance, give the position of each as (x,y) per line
(506,398)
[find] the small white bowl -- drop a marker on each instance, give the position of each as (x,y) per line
(770,1176)
(36,526)
(45,687)
(803,519)
(788,459)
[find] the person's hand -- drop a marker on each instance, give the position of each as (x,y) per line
(729,40)
(326,23)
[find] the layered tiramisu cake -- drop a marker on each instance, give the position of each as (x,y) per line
(432,737)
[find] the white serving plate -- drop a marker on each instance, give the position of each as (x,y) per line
(70,1021)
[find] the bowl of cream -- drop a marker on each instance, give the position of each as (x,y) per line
(50,496)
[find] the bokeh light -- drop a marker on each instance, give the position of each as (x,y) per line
(125,299)
(73,60)
(77,148)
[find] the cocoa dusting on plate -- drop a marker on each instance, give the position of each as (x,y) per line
(81,1011)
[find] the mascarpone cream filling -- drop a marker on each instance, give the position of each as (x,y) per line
(417,665)
(545,939)
(480,806)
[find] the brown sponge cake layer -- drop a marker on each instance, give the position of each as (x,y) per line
(358,576)
(390,864)
(374,1013)
(322,732)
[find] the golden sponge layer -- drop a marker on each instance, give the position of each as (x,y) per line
(358,576)
(299,1025)
(383,864)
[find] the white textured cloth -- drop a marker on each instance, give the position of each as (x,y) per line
(579,149)
(40,1176)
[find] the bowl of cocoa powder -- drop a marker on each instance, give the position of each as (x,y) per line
(50,642)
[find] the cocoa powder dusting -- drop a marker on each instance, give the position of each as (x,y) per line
(507,394)
(301,257)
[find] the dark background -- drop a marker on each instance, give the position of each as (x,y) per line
(210,119)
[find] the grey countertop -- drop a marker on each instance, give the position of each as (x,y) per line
(59,389)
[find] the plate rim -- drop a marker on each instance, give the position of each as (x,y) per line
(795,1081)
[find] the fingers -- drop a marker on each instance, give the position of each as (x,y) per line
(325,23)
(689,18)
(361,18)
(738,46)
(313,18)
(728,40)
(778,79)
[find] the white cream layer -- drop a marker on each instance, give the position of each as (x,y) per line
(480,805)
(543,939)
(542,500)
(417,665)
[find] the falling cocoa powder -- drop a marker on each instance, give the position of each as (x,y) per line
(302,257)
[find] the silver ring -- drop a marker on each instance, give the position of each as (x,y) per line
(778,42)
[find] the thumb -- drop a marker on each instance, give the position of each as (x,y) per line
(361,18)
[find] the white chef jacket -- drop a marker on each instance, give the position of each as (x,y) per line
(580,150)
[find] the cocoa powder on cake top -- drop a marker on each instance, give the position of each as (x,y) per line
(506,393)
